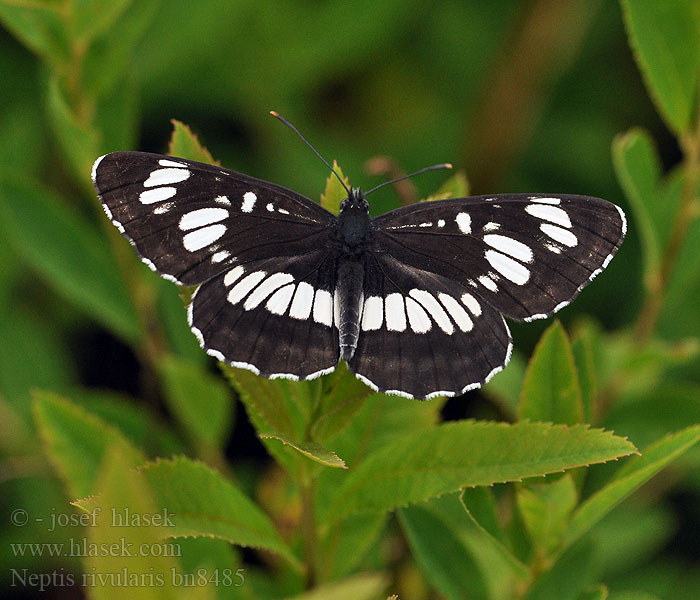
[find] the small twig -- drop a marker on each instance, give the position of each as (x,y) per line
(688,211)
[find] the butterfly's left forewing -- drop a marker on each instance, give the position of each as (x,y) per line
(526,255)
(263,254)
(190,221)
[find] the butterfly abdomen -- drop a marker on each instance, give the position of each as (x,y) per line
(351,274)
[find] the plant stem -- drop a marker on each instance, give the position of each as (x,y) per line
(688,211)
(308,527)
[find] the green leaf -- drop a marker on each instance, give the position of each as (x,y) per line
(582,349)
(362,586)
(342,396)
(634,595)
(38,27)
(334,192)
(111,57)
(79,140)
(199,401)
(442,556)
(77,262)
(456,186)
(636,472)
(89,19)
(505,388)
(274,401)
(665,38)
(313,450)
(596,592)
(480,506)
(203,503)
(638,170)
(569,577)
(133,549)
(132,418)
(32,356)
(76,441)
(551,391)
(545,509)
(359,532)
(185,144)
(420,465)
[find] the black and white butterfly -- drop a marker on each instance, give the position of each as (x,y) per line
(413,300)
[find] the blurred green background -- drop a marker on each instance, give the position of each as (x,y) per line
(524,96)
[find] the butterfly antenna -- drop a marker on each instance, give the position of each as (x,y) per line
(423,170)
(316,152)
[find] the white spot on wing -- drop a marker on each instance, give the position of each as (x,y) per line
(491,226)
(464,222)
(488,283)
(279,301)
(171,163)
(202,217)
(233,275)
(437,312)
(303,301)
(196,240)
(441,222)
(563,236)
(509,268)
(166,176)
(245,286)
(553,248)
(323,308)
(394,312)
(163,208)
(270,207)
(260,294)
(471,303)
(545,200)
(549,213)
(220,256)
(373,313)
(509,246)
(282,211)
(249,200)
(458,314)
(157,195)
(417,317)
(222,200)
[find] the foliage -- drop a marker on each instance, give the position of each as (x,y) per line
(349,494)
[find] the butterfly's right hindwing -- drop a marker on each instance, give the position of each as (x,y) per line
(191,221)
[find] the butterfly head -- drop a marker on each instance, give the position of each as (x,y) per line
(355,202)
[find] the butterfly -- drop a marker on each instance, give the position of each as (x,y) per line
(413,300)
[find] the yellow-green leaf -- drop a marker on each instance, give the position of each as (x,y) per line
(334,193)
(76,441)
(551,391)
(185,144)
(665,38)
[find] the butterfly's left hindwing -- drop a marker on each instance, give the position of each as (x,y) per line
(190,221)
(274,317)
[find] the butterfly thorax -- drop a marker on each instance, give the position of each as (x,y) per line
(354,222)
(353,232)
